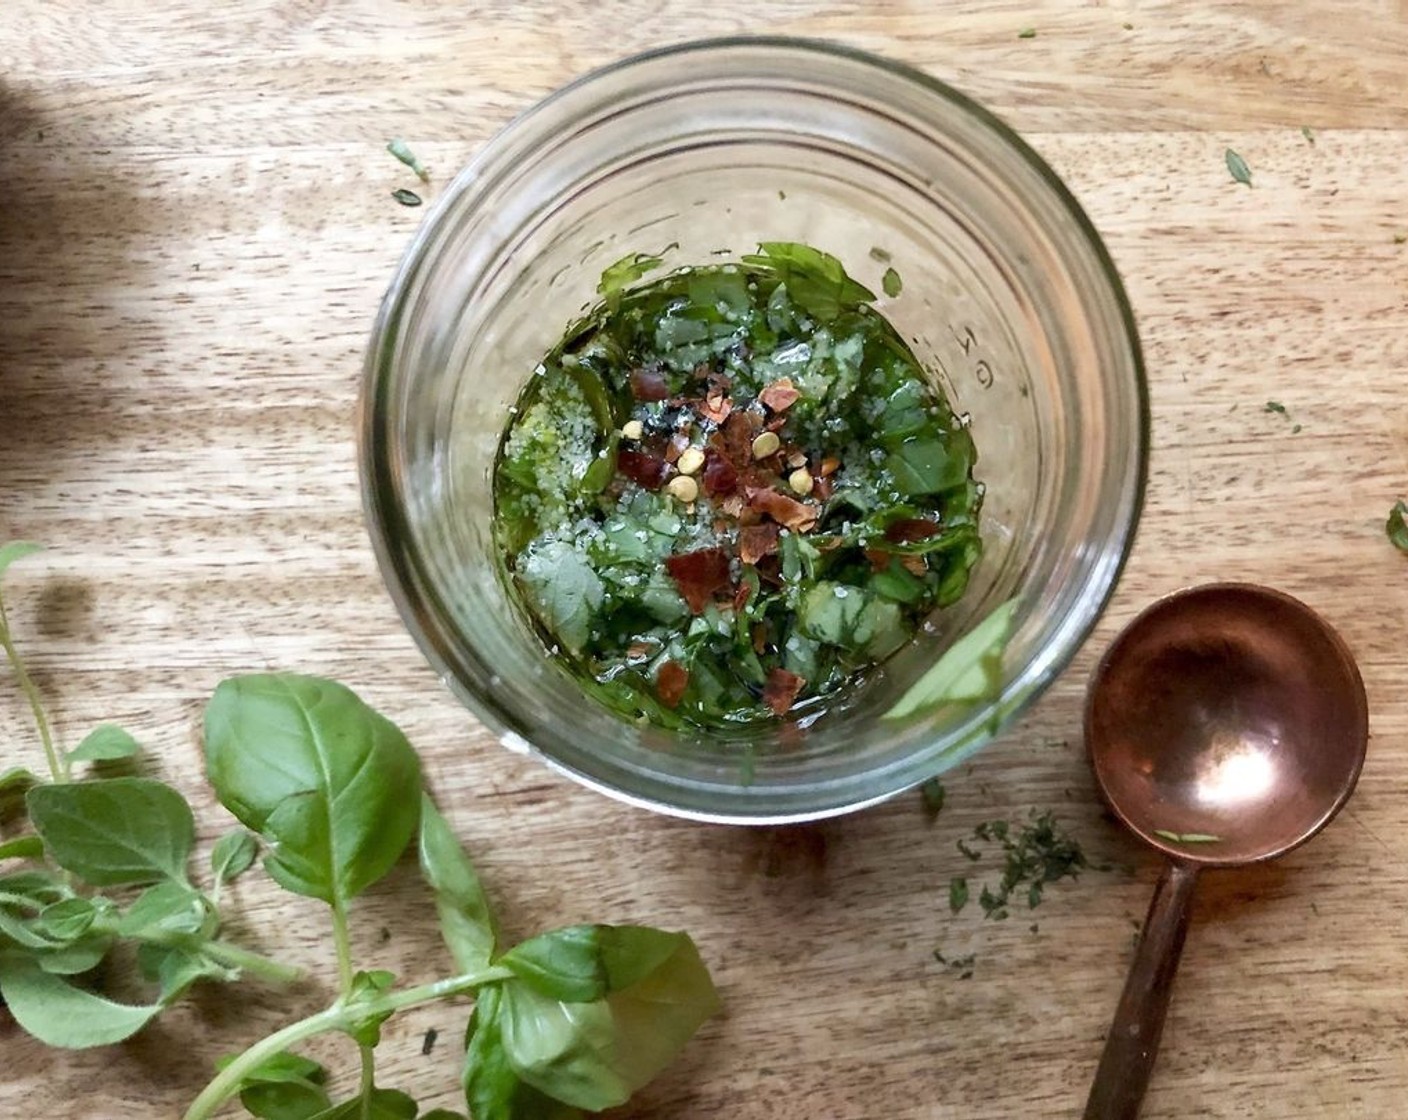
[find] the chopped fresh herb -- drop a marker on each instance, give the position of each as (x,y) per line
(1400,238)
(1034,855)
(957,893)
(1397,526)
(1187,837)
(405,197)
(891,283)
(1295,429)
(932,792)
(730,491)
(782,196)
(879,254)
(1128,26)
(970,670)
(428,1042)
(1308,134)
(972,853)
(1238,168)
(402,151)
(1027,33)
(1276,406)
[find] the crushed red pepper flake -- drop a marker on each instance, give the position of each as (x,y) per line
(735,436)
(720,477)
(915,565)
(910,529)
(780,395)
(716,406)
(781,690)
(795,515)
(648,385)
(671,682)
(642,467)
(741,596)
(879,558)
(699,575)
(829,466)
(757,541)
(674,448)
(823,488)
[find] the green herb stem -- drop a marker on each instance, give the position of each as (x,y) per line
(368,1080)
(58,765)
(343,943)
(232,956)
(335,1018)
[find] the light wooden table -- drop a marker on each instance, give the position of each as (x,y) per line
(194,234)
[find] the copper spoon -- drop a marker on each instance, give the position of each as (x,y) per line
(1227,724)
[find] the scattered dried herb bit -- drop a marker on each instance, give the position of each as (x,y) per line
(932,792)
(1397,526)
(1027,33)
(699,575)
(879,254)
(961,965)
(957,893)
(969,851)
(405,197)
(1309,136)
(428,1043)
(1295,429)
(781,690)
(1036,854)
(1129,27)
(671,682)
(1400,238)
(401,150)
(1237,167)
(891,284)
(1276,406)
(1187,837)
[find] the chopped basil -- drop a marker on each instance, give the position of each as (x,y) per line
(730,490)
(405,197)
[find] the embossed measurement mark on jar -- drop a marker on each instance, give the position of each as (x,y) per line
(982,370)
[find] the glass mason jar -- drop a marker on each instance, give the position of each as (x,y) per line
(1009,299)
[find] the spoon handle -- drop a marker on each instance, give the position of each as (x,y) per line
(1133,1041)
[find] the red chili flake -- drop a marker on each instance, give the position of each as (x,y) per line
(720,479)
(648,385)
(736,437)
(742,595)
(823,487)
(675,448)
(716,406)
(757,541)
(670,683)
(781,690)
(648,470)
(879,558)
(699,575)
(760,637)
(909,529)
(796,515)
(776,423)
(780,395)
(769,570)
(830,465)
(636,650)
(916,565)
(732,505)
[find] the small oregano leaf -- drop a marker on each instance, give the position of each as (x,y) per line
(172,907)
(1237,167)
(116,830)
(466,921)
(67,920)
(59,1014)
(14,784)
(105,743)
(77,957)
(22,847)
(233,855)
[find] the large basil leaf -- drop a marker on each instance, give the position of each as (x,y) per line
(466,921)
(594,1055)
(333,783)
(117,830)
(493,1090)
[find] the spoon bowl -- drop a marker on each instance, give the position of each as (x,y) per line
(1226,725)
(1228,711)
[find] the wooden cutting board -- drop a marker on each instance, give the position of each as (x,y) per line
(195,230)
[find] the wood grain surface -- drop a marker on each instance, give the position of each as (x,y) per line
(195,230)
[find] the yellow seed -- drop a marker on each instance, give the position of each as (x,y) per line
(800,480)
(683,488)
(690,460)
(765,445)
(633,429)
